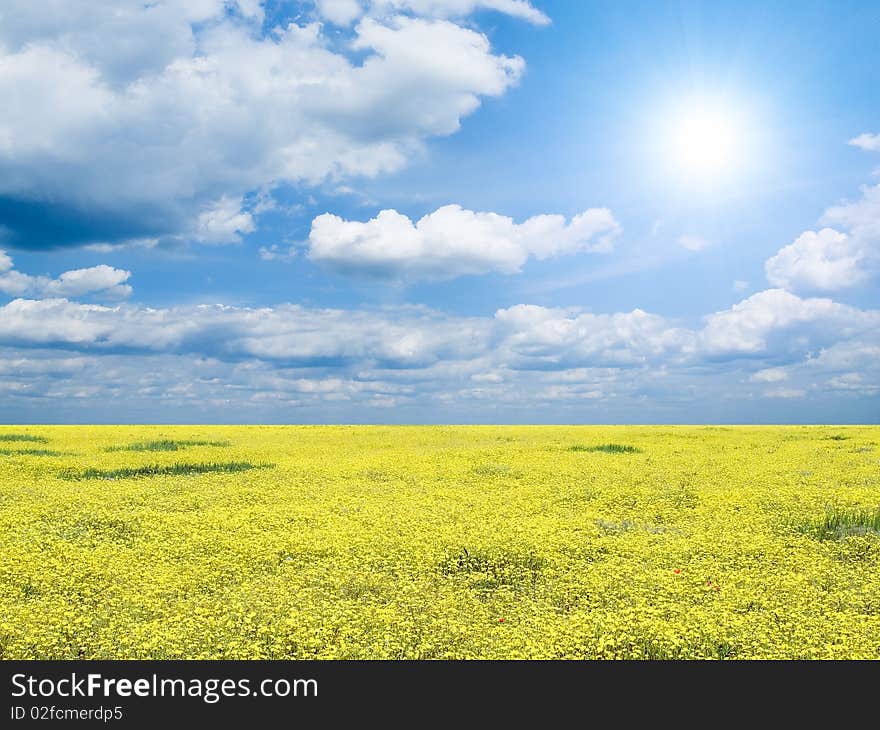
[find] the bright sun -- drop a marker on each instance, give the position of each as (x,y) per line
(705,142)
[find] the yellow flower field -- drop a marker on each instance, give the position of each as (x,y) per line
(439,542)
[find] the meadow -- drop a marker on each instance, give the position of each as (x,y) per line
(352,542)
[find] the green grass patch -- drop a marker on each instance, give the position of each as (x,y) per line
(491,470)
(23,437)
(91,529)
(487,569)
(608,448)
(840,522)
(30,452)
(165,445)
(836,437)
(159,470)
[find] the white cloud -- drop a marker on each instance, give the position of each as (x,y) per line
(850,354)
(769,375)
(540,337)
(223,222)
(847,381)
(145,121)
(104,280)
(126,40)
(693,242)
(132,243)
(29,367)
(850,365)
(833,258)
(867,141)
(264,361)
(855,383)
(861,218)
(774,325)
(274,252)
(340,12)
(740,286)
(826,260)
(462,8)
(453,241)
(788,393)
(345,12)
(283,333)
(778,321)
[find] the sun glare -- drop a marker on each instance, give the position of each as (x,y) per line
(705,141)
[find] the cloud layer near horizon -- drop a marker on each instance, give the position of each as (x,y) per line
(523,356)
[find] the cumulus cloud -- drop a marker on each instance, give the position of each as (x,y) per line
(847,381)
(340,12)
(769,375)
(867,141)
(844,254)
(861,218)
(541,337)
(462,8)
(103,280)
(453,241)
(157,119)
(344,12)
(826,260)
(861,353)
(777,321)
(223,222)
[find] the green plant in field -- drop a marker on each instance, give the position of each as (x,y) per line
(164,445)
(155,470)
(30,452)
(495,567)
(615,528)
(491,470)
(89,528)
(608,448)
(840,522)
(23,437)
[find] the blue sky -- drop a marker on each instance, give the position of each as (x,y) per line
(439,211)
